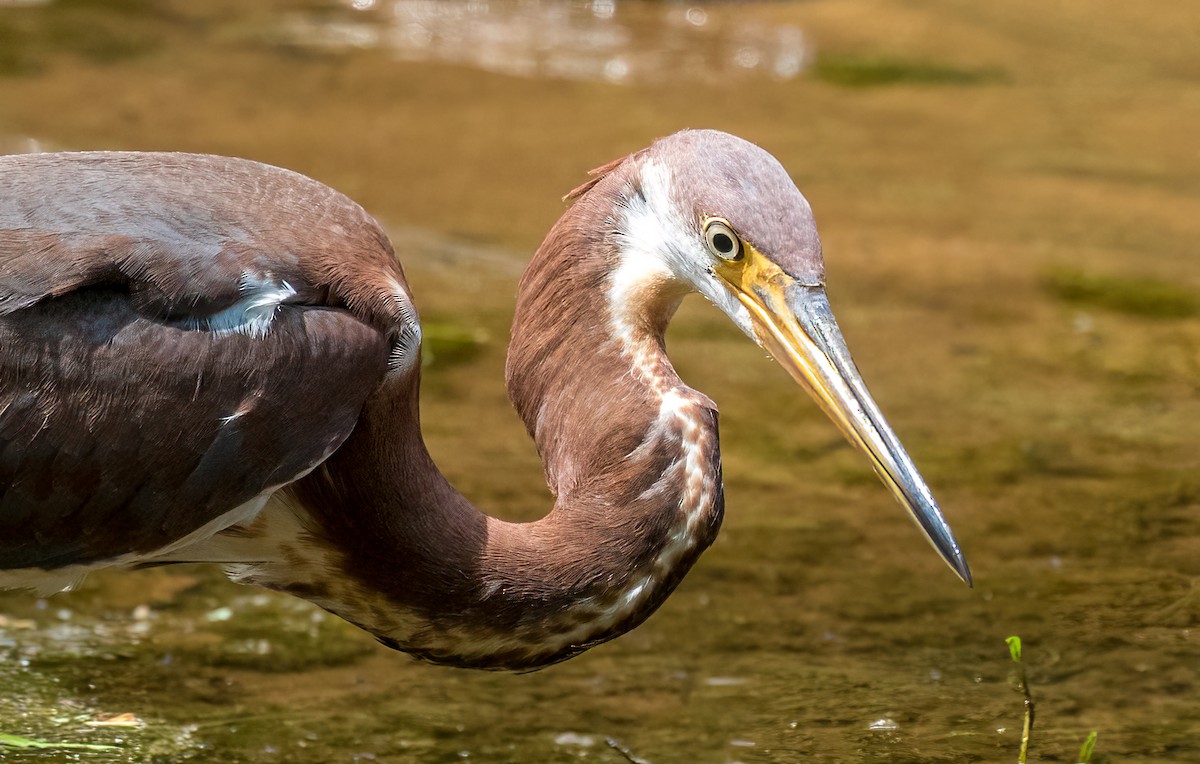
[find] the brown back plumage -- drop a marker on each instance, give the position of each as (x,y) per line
(126,423)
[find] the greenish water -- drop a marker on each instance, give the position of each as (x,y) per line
(1008,198)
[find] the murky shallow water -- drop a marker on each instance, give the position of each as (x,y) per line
(1009,206)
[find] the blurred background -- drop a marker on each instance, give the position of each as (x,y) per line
(1009,199)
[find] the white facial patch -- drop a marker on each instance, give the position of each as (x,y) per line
(659,243)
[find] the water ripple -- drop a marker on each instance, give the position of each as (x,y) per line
(596,40)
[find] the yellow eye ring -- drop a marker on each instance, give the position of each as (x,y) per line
(722,241)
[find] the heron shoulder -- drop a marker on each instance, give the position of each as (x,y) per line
(186,233)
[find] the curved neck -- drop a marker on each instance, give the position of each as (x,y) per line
(630,452)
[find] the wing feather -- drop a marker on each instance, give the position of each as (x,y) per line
(134,409)
(120,434)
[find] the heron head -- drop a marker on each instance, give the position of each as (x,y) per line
(720,216)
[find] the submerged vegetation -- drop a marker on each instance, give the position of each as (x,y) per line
(97,31)
(43,719)
(26,744)
(1137,296)
(443,343)
(856,71)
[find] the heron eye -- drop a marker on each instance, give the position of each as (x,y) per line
(722,241)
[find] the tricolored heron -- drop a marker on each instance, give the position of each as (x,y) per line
(211,359)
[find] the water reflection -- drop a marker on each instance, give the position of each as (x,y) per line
(598,40)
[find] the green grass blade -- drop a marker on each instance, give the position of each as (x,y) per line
(16,741)
(1089,747)
(1014,648)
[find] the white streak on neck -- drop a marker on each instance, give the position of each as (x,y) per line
(659,243)
(650,233)
(660,260)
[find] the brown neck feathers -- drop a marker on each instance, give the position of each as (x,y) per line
(631,456)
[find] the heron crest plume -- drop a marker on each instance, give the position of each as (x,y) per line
(209,359)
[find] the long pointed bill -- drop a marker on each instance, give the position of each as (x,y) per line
(793,322)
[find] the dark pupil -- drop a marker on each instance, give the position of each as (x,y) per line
(723,243)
